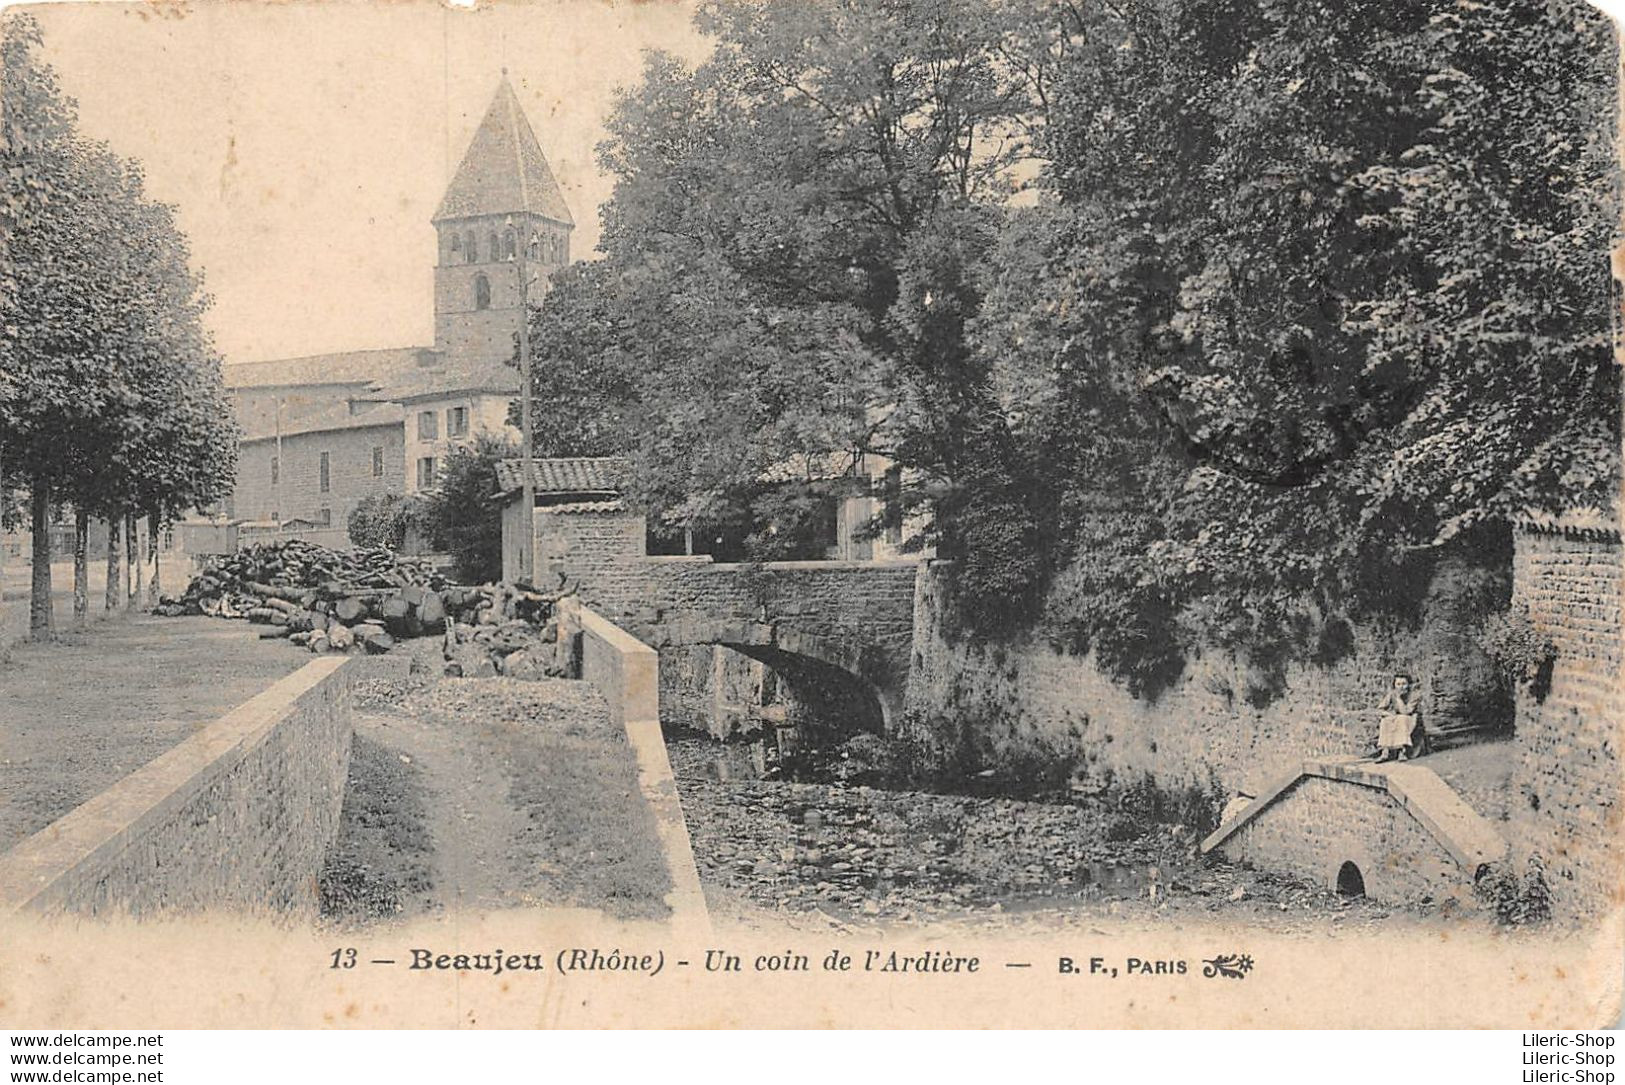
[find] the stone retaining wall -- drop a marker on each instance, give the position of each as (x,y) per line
(1026,702)
(239,816)
(1567,804)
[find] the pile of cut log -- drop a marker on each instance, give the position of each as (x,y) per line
(339,600)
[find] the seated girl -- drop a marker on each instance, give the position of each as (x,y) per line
(1401,729)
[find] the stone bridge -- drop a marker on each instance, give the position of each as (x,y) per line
(836,635)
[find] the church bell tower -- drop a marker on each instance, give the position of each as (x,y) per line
(502,196)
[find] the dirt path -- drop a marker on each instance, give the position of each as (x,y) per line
(491,793)
(469,817)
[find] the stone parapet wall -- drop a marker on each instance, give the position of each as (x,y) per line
(239,816)
(1567,803)
(625,671)
(857,616)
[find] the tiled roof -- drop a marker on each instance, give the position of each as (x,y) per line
(576,475)
(347,367)
(1581,523)
(586,506)
(327,419)
(434,383)
(504,169)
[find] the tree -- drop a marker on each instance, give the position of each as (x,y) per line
(461,515)
(54,310)
(382,520)
(1320,294)
(772,208)
(111,395)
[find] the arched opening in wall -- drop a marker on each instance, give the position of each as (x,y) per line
(1350,882)
(827,704)
(482,292)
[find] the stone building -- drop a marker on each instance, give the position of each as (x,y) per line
(502,196)
(502,213)
(581,522)
(318,469)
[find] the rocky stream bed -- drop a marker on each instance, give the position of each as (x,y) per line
(864,855)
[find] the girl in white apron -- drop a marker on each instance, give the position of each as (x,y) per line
(1401,722)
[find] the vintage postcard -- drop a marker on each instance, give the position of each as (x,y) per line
(1012,513)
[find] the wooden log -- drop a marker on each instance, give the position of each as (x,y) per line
(350,610)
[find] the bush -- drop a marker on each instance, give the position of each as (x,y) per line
(382,520)
(460,515)
(1516,900)
(1523,654)
(1192,804)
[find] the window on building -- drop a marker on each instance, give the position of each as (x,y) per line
(426,473)
(428,426)
(457,422)
(468,248)
(327,472)
(456,242)
(496,246)
(508,247)
(324,517)
(276,470)
(482,292)
(377,461)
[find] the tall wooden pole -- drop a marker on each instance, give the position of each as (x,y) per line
(527,531)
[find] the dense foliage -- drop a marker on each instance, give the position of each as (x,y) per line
(382,520)
(1189,321)
(460,516)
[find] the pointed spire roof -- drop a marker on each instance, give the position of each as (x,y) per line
(504,170)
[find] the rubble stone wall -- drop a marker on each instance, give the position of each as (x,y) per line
(1320,824)
(238,817)
(1567,799)
(1005,704)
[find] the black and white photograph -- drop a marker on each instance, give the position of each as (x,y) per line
(811,513)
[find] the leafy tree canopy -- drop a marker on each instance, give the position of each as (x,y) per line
(1199,320)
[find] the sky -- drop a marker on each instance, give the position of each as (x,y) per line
(305,146)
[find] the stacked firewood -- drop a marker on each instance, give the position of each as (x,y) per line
(365,599)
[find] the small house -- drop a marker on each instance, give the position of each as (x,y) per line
(581,521)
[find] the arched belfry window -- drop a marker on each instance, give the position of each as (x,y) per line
(470,249)
(482,292)
(508,249)
(456,244)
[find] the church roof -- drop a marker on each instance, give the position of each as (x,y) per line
(349,367)
(504,169)
(493,379)
(328,418)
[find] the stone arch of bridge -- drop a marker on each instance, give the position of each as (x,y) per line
(853,684)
